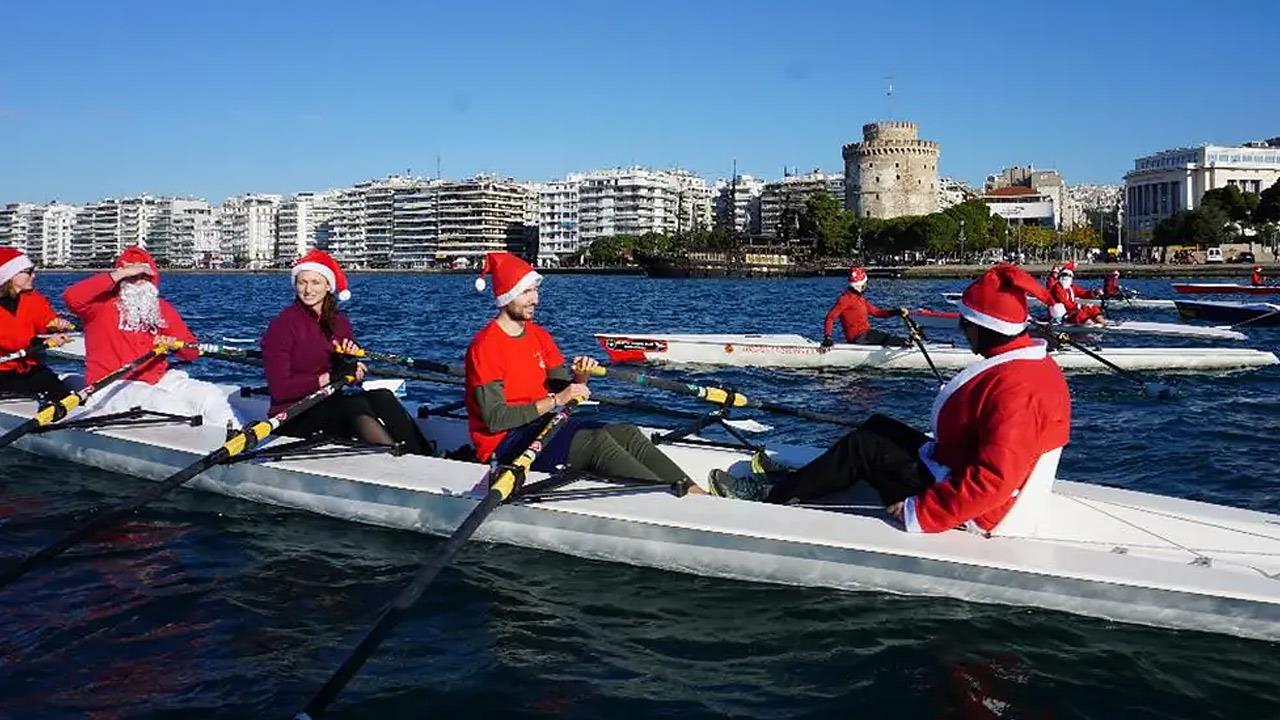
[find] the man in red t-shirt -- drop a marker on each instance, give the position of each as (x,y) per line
(516,376)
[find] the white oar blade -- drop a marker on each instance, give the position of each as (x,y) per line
(748,425)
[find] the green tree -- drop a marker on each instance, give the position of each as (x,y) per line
(1235,205)
(831,226)
(1268,208)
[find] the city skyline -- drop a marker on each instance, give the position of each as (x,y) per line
(220,101)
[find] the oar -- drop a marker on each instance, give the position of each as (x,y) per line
(38,344)
(1242,323)
(500,489)
(1151,389)
(246,438)
(913,331)
(716,395)
(55,411)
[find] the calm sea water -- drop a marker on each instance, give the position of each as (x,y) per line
(205,607)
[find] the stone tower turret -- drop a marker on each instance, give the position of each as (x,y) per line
(891,172)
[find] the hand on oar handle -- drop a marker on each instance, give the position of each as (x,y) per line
(168,343)
(60,325)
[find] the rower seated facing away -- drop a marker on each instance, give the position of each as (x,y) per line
(1064,293)
(1255,277)
(24,315)
(516,376)
(998,430)
(852,308)
(310,343)
(124,317)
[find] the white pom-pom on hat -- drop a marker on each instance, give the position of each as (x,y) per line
(480,284)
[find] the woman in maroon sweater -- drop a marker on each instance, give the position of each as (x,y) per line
(300,352)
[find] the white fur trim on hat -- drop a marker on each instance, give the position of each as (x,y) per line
(990,322)
(530,279)
(860,285)
(324,272)
(16,264)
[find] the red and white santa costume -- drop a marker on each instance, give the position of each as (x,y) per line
(999,426)
(1065,293)
(109,345)
(1255,278)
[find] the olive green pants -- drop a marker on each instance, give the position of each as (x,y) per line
(622,451)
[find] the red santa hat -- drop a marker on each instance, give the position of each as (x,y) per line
(857,278)
(998,300)
(511,276)
(12,262)
(135,254)
(319,261)
(1069,269)
(1256,268)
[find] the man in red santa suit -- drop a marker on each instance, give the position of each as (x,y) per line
(852,309)
(998,430)
(517,377)
(123,317)
(1255,278)
(1064,293)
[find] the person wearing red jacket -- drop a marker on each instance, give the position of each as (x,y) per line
(1255,278)
(307,344)
(1065,293)
(852,309)
(124,317)
(998,430)
(516,377)
(1111,286)
(24,315)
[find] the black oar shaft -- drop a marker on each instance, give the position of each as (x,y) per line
(501,489)
(913,330)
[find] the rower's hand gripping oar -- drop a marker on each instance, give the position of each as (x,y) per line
(716,395)
(917,336)
(38,345)
(244,439)
(506,483)
(55,411)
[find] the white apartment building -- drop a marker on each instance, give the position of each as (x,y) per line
(303,222)
(95,235)
(1163,183)
(737,204)
(247,225)
(416,226)
(952,192)
(347,229)
(634,201)
(792,193)
(557,221)
(57,223)
(20,227)
(479,216)
(379,216)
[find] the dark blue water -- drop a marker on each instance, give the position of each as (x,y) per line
(205,607)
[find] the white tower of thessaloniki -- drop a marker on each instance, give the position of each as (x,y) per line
(891,172)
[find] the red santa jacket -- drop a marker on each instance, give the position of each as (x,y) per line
(852,308)
(991,424)
(1255,278)
(19,328)
(106,345)
(1067,296)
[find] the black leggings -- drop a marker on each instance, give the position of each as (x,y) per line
(882,451)
(345,415)
(40,381)
(622,451)
(876,337)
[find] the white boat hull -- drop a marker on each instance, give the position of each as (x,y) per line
(1119,304)
(1086,561)
(795,351)
(949,320)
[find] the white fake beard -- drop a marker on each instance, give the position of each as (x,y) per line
(139,305)
(1065,282)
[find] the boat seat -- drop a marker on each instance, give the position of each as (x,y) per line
(1033,500)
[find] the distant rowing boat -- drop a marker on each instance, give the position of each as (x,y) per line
(948,320)
(1134,303)
(1254,313)
(796,351)
(1225,289)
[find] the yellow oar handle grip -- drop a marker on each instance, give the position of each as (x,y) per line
(599,371)
(168,347)
(358,352)
(720,396)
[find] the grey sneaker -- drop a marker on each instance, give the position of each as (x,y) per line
(728,486)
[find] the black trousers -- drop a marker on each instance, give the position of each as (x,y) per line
(876,337)
(337,417)
(882,452)
(39,382)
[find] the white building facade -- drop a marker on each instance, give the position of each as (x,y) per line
(1164,183)
(635,201)
(781,201)
(557,221)
(736,204)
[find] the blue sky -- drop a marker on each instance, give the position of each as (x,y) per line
(217,98)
